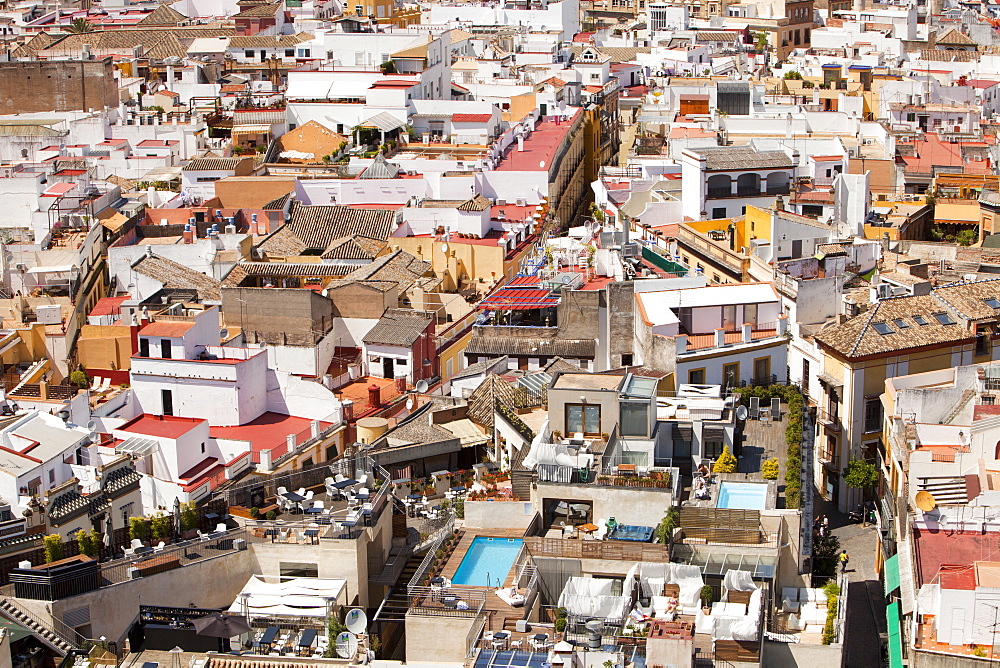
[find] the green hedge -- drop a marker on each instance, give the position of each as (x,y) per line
(793,432)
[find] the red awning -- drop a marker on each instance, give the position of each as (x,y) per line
(518,300)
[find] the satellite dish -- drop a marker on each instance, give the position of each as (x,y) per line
(742,413)
(409,403)
(224,333)
(347,645)
(92,426)
(444,248)
(422,386)
(357,621)
(925,501)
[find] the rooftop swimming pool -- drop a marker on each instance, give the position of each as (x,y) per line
(487,561)
(742,495)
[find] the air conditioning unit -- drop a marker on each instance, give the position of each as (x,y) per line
(631,249)
(522,202)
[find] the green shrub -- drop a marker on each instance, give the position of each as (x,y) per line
(667,525)
(255,513)
(560,624)
(80,379)
(138,527)
(769,469)
(86,543)
(189,516)
(726,463)
(562,613)
(53,547)
(270,514)
(707,596)
(161,525)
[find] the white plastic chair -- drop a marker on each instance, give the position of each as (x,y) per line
(136,543)
(309,495)
(96,384)
(159,548)
(203,536)
(318,504)
(221,528)
(105,386)
(282,491)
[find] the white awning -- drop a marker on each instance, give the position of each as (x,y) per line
(57,269)
(383,121)
(138,446)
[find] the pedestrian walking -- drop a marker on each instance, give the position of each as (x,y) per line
(844,559)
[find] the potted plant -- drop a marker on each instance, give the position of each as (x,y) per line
(560,627)
(707,596)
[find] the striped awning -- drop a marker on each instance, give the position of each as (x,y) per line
(255,129)
(519,300)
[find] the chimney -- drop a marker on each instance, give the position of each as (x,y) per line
(188,235)
(374,395)
(348,408)
(43,389)
(520,142)
(779,203)
(932,39)
(401,384)
(85,49)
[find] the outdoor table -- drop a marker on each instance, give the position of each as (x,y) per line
(345,483)
(311,533)
(211,516)
(626,469)
(293,497)
(502,636)
(415,497)
(307,639)
(588,528)
(139,551)
(350,522)
(314,511)
(270,635)
(272,533)
(458,490)
(540,637)
(438,580)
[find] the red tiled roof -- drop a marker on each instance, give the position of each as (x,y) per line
(583,36)
(555,81)
(166,329)
(268,432)
(539,147)
(57,189)
(166,426)
(826,158)
(158,142)
(470,118)
(109,305)
(233,88)
(198,468)
(935,549)
(958,577)
(984,410)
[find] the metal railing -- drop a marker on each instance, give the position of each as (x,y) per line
(53,626)
(472,638)
(177,555)
(432,544)
(618,550)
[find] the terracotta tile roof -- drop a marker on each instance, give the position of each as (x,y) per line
(175,276)
(354,248)
(470,118)
(968,299)
(859,336)
(398,327)
(317,228)
(481,344)
(492,391)
(268,41)
(164,15)
(212,164)
(948,56)
(398,267)
(742,157)
(259,11)
(618,54)
(953,36)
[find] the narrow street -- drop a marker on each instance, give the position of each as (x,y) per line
(865,599)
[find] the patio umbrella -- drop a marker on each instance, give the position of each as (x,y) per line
(221,625)
(175,657)
(177,515)
(107,533)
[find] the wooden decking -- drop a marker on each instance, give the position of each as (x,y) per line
(762,440)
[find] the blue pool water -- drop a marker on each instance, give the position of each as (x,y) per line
(742,495)
(487,558)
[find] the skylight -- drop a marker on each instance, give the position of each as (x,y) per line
(900,323)
(883,328)
(944,318)
(993,302)
(920,320)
